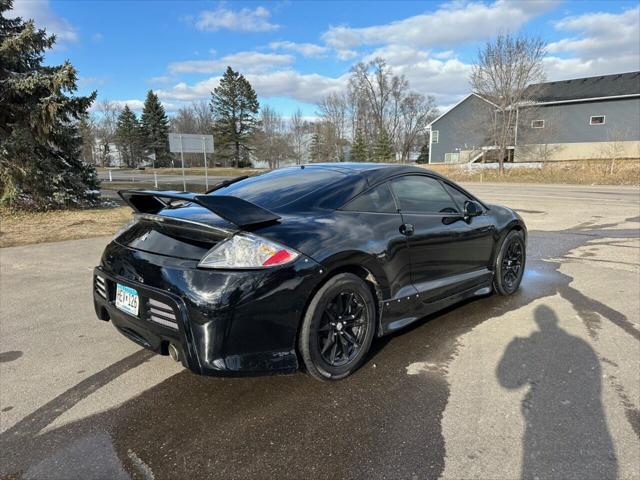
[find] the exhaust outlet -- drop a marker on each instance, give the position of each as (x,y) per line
(173,353)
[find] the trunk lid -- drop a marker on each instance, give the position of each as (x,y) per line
(186,232)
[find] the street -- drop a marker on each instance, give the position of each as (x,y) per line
(495,388)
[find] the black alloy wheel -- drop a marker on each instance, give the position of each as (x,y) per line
(338,327)
(343,328)
(510,264)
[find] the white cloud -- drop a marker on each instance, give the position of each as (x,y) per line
(164,79)
(565,68)
(451,24)
(346,54)
(446,79)
(602,43)
(305,49)
(97,37)
(134,104)
(423,49)
(308,88)
(444,55)
(41,13)
(245,20)
(243,61)
(87,82)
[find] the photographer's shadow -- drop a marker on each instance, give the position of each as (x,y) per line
(566,434)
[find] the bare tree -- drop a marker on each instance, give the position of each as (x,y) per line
(87,128)
(375,82)
(333,110)
(203,117)
(185,120)
(106,116)
(271,140)
(298,130)
(615,148)
(416,111)
(504,69)
(382,105)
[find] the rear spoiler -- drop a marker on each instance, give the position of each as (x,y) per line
(236,210)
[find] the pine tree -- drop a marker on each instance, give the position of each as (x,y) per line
(382,151)
(235,106)
(155,130)
(424,154)
(40,142)
(359,148)
(129,137)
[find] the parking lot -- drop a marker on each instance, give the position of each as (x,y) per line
(544,384)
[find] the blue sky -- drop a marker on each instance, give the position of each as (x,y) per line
(295,52)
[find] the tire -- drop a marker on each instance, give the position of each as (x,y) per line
(510,263)
(342,309)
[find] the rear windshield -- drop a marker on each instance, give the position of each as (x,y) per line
(279,188)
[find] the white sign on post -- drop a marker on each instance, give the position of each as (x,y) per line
(191,143)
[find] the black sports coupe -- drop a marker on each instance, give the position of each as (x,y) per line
(302,266)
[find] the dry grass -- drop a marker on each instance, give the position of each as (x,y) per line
(587,172)
(23,228)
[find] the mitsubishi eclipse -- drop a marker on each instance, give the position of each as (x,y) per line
(301,267)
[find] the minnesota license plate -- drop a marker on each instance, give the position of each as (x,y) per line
(127,299)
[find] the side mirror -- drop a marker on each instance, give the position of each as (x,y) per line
(472,209)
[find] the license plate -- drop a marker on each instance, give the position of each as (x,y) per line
(127,299)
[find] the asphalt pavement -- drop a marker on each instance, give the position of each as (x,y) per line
(543,384)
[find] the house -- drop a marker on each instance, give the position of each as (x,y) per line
(583,118)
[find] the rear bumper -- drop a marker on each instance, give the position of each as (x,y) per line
(227,323)
(141,329)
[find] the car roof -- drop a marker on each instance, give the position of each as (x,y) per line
(372,172)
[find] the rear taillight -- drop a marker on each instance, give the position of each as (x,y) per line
(245,250)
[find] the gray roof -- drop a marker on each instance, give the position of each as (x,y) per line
(590,87)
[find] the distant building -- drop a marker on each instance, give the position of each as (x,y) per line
(108,155)
(584,118)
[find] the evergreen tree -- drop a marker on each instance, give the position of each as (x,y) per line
(129,138)
(382,151)
(359,148)
(234,104)
(40,142)
(155,130)
(424,154)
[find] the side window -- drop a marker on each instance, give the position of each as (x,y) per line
(418,194)
(378,200)
(457,195)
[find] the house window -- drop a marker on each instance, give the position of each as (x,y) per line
(435,136)
(537,124)
(597,120)
(451,157)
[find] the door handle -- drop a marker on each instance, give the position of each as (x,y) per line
(406,229)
